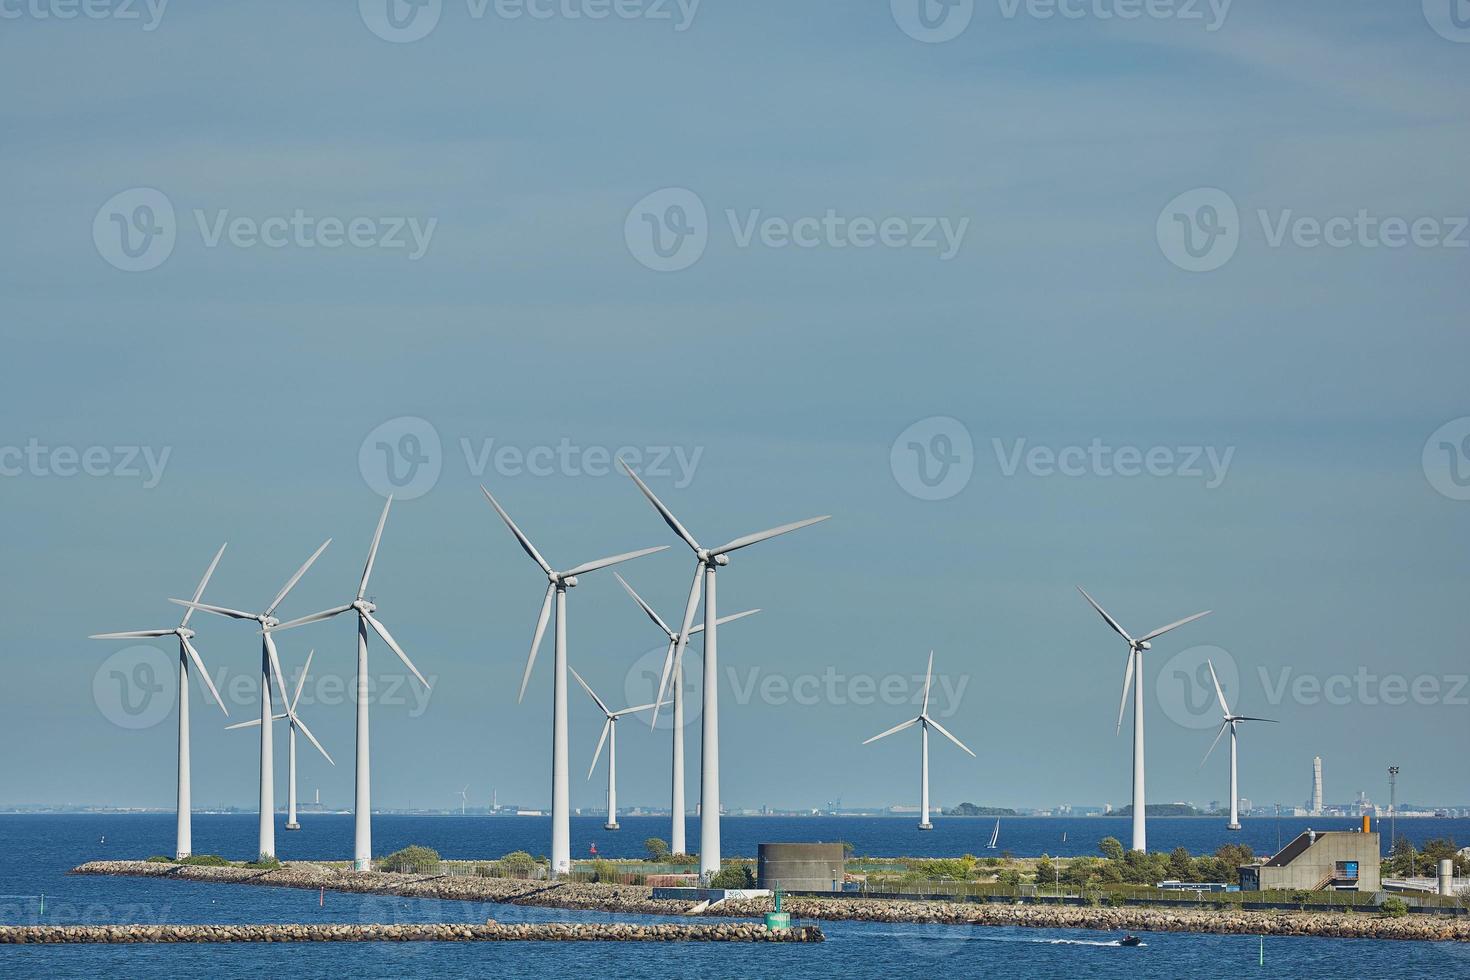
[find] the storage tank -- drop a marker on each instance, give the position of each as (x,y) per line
(800,867)
(1446,876)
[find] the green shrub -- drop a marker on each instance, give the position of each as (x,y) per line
(412,859)
(484,871)
(604,871)
(733,876)
(206,861)
(1394,907)
(683,858)
(657,848)
(159,859)
(266,862)
(517,864)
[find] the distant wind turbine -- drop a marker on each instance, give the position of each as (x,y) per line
(464,798)
(925,723)
(1135,665)
(1230,722)
(610,736)
(183,839)
(362,807)
(270,666)
(706,562)
(294,724)
(676,794)
(557,585)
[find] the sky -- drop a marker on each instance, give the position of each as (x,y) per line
(1168,306)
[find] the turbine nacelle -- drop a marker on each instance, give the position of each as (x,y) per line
(1143,645)
(365,606)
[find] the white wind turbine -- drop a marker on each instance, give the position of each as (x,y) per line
(362,809)
(610,736)
(1230,722)
(270,666)
(557,585)
(707,561)
(464,798)
(925,723)
(1135,665)
(183,840)
(676,795)
(294,723)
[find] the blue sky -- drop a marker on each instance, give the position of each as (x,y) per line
(1332,545)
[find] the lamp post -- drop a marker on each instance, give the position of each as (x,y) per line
(1393,807)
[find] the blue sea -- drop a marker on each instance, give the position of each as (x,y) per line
(39,851)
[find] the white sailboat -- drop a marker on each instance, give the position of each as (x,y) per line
(994,836)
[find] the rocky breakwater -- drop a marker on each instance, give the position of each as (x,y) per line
(1344,925)
(492,931)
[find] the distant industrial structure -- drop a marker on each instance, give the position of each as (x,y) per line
(1315,806)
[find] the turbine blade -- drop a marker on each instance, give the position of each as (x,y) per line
(645,606)
(367,570)
(217,610)
(131,635)
(382,631)
(1127,683)
(1175,625)
(633,710)
(315,617)
(275,662)
(664,512)
(301,727)
(896,728)
(208,574)
(536,639)
(945,732)
(301,681)
(699,627)
(676,655)
(253,722)
(1249,718)
(1218,735)
(928,676)
(1104,613)
(606,727)
(1224,708)
(590,693)
(526,544)
(760,536)
(593,566)
(208,681)
(291,584)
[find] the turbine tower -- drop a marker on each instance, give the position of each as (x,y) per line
(676,793)
(183,837)
(610,736)
(1230,722)
(464,798)
(270,667)
(707,561)
(556,588)
(925,723)
(1135,665)
(294,723)
(362,806)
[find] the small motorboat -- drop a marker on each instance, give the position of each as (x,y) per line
(1130,940)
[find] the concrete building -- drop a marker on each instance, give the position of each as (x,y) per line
(1317,786)
(1334,860)
(800,867)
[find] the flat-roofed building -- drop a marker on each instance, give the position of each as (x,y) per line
(1334,860)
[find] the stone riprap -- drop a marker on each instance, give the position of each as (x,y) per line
(617,932)
(639,899)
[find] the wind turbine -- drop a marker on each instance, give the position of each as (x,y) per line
(925,723)
(362,810)
(464,797)
(557,585)
(270,666)
(676,796)
(707,561)
(183,839)
(1230,722)
(294,723)
(609,735)
(1135,665)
